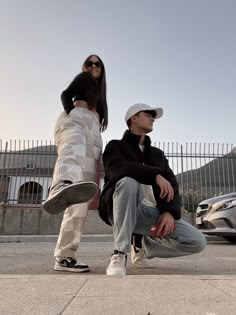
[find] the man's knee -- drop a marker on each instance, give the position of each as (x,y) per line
(127,185)
(199,244)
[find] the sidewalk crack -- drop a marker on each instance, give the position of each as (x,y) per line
(216,287)
(73,297)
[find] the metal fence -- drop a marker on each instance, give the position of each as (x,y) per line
(202,170)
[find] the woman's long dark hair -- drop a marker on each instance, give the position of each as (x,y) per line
(101,107)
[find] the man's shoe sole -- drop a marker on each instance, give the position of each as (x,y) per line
(141,265)
(76,193)
(116,273)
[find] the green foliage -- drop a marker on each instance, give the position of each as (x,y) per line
(191,200)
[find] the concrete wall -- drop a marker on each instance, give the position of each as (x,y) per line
(36,221)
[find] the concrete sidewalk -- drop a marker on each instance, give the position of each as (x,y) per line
(87,294)
(199,284)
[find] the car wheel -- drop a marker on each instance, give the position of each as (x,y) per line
(231,239)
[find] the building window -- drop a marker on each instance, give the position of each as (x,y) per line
(30,166)
(30,193)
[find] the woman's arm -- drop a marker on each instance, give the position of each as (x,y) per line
(82,88)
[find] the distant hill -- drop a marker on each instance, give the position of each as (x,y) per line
(217,176)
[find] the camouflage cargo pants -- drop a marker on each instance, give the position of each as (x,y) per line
(79,146)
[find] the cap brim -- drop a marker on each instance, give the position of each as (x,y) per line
(143,108)
(159,112)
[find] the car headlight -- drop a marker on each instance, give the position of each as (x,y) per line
(229,204)
(199,209)
(226,205)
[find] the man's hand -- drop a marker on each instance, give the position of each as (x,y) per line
(166,224)
(166,188)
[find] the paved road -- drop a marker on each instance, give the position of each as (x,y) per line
(219,258)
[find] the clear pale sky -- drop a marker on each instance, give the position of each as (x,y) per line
(178,54)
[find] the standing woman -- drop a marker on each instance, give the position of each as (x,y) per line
(79,146)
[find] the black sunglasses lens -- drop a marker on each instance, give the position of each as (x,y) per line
(98,64)
(90,64)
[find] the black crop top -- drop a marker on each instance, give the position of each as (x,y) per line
(84,87)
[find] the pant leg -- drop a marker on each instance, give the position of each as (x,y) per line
(127,196)
(79,144)
(71,145)
(185,240)
(90,146)
(71,230)
(131,216)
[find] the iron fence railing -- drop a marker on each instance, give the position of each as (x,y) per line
(203,170)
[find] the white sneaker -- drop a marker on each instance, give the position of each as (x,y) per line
(117,266)
(138,257)
(67,194)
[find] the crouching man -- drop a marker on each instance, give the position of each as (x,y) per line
(141,197)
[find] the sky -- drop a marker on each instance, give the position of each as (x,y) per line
(174,54)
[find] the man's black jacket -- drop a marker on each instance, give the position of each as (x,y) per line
(123,158)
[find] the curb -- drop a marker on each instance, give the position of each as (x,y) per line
(85,238)
(53,238)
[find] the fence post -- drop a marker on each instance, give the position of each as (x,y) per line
(182,170)
(2,183)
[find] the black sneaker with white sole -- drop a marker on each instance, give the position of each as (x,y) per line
(67,194)
(70,264)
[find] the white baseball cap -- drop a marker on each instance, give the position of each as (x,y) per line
(140,108)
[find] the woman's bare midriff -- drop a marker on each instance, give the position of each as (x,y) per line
(83,104)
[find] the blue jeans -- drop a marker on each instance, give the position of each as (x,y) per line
(131,216)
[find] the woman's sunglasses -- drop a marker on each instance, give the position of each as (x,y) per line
(97,64)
